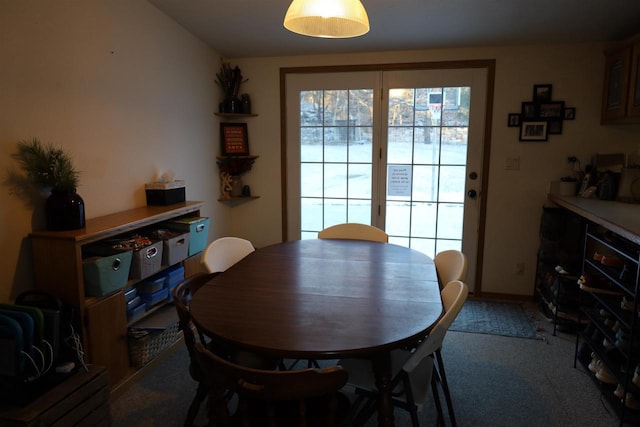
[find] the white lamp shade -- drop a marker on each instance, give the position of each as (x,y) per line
(327,18)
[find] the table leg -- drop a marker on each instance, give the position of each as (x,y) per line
(382,371)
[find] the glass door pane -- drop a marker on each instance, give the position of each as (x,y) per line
(427,140)
(336,150)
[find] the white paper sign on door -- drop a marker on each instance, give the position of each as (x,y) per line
(399,180)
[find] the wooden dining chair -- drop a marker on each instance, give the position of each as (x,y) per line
(413,371)
(222,253)
(182,294)
(354,231)
(451,265)
(307,397)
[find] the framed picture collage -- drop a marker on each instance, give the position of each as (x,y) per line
(542,116)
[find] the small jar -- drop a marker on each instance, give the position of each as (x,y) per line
(245,102)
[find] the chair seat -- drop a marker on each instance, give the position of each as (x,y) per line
(254,360)
(361,375)
(413,371)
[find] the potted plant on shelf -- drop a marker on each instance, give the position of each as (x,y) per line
(49,169)
(230,79)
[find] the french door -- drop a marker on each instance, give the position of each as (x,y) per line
(401,150)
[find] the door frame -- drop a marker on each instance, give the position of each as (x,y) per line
(488,64)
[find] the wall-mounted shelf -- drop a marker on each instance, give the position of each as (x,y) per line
(238,157)
(238,199)
(225,178)
(229,180)
(235,115)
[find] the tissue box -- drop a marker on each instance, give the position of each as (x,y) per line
(165,193)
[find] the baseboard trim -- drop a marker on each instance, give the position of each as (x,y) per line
(504,297)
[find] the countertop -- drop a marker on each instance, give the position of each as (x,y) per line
(621,218)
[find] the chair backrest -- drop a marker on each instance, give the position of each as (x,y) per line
(270,387)
(450,265)
(222,253)
(453,296)
(354,231)
(182,294)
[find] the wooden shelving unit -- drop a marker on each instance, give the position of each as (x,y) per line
(102,321)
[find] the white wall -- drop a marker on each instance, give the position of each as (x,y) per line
(128,92)
(515,198)
(131,94)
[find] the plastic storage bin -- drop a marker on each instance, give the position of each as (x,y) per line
(130,294)
(198,229)
(146,344)
(105,270)
(136,313)
(157,297)
(150,286)
(134,303)
(173,276)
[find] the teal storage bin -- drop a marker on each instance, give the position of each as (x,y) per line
(104,274)
(198,229)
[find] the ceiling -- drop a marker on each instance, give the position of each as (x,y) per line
(253,28)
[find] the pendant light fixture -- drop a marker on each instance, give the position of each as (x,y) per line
(327,18)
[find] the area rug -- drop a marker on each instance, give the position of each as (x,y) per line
(495,318)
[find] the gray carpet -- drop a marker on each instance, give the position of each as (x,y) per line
(495,318)
(495,381)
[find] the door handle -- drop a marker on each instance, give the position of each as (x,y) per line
(472,194)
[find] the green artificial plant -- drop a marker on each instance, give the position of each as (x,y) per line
(46,167)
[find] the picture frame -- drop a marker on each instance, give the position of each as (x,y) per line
(542,93)
(569,113)
(534,130)
(551,110)
(554,126)
(529,111)
(514,120)
(234,139)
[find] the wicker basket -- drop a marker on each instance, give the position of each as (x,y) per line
(146,344)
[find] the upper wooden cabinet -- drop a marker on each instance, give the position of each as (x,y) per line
(633,104)
(621,96)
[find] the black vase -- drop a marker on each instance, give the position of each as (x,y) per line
(232,105)
(64,210)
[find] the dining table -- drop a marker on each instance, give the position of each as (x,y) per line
(320,299)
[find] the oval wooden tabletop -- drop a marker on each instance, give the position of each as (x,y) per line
(322,299)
